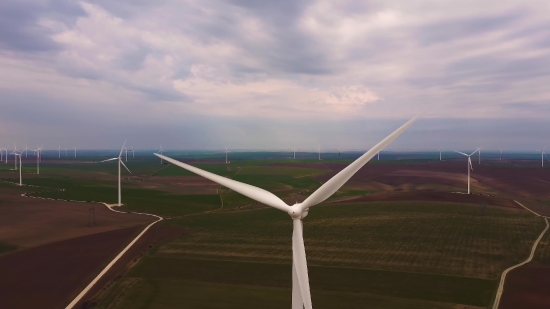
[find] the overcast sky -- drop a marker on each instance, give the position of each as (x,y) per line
(274,74)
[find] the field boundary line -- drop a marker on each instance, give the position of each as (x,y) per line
(106,269)
(533,249)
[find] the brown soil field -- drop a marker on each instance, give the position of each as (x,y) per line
(28,222)
(48,276)
(526,287)
(432,196)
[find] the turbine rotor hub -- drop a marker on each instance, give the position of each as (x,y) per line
(296,212)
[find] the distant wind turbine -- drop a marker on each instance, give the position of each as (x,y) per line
(226,152)
(319,152)
(543,152)
(470,167)
(500,154)
(119,158)
(18,154)
(14,153)
(74,152)
(479,155)
(439,154)
(301,296)
(59,152)
(294,153)
(378,156)
(161,150)
(38,158)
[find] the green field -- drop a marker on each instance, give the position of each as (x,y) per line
(236,255)
(395,255)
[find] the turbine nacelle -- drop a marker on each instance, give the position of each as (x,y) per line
(296,212)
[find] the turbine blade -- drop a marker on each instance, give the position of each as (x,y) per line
(125,166)
(107,160)
(252,192)
(476,150)
(297,302)
(336,182)
(121,149)
(300,262)
(462,153)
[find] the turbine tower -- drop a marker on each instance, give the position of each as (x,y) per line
(59,152)
(294,153)
(500,154)
(19,154)
(319,152)
(119,158)
(439,154)
(74,152)
(301,296)
(470,167)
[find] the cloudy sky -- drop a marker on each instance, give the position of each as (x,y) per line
(275,74)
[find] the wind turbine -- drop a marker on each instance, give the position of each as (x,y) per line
(18,154)
(126,152)
(319,152)
(439,154)
(6,154)
(294,153)
(59,152)
(500,154)
(543,152)
(479,155)
(301,296)
(14,153)
(160,153)
(378,156)
(26,148)
(119,158)
(38,159)
(133,152)
(74,152)
(470,167)
(226,152)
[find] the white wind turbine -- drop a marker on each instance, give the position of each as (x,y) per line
(439,154)
(119,158)
(161,150)
(470,167)
(38,159)
(543,152)
(6,149)
(19,154)
(14,153)
(301,296)
(378,156)
(2,154)
(74,152)
(479,155)
(500,154)
(26,149)
(126,153)
(226,152)
(294,153)
(319,152)
(59,152)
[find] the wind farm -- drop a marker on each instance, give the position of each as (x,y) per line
(274,154)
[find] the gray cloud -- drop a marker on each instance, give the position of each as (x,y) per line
(19,28)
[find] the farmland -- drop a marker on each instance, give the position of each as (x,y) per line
(393,237)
